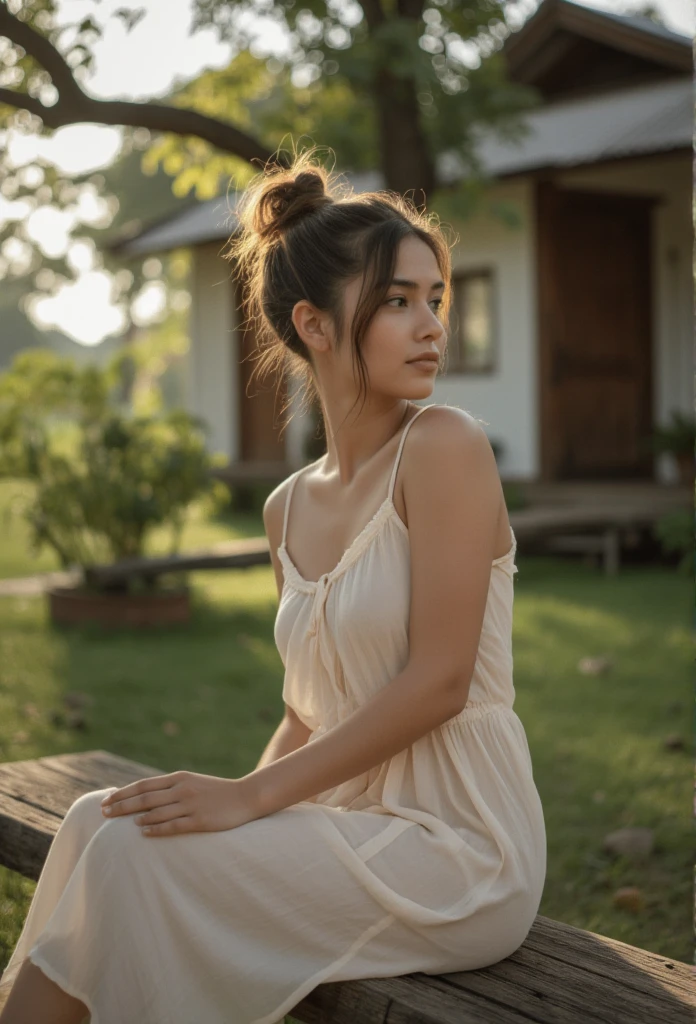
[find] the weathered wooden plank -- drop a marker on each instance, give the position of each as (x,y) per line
(406,999)
(35,797)
(25,837)
(639,969)
(560,975)
(554,992)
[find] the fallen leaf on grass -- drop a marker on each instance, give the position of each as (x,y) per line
(170,729)
(629,897)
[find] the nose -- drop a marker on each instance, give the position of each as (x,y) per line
(433,327)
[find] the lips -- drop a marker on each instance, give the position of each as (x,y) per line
(421,359)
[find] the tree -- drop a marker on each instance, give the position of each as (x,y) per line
(382,83)
(399,63)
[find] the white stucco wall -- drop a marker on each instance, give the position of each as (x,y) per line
(669,178)
(213,366)
(505,399)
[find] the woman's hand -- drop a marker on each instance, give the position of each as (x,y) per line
(169,805)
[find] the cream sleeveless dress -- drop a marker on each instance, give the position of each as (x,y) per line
(433,861)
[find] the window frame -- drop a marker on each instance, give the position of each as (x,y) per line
(461,369)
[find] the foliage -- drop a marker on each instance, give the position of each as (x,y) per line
(329,92)
(346,72)
(103,478)
(678,436)
(675,532)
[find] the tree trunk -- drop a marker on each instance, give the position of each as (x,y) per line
(405,162)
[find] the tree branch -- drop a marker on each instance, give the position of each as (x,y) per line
(22,101)
(41,50)
(74,106)
(179,120)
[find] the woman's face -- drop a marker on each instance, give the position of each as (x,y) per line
(404,327)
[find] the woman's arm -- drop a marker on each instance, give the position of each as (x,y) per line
(290,735)
(453,497)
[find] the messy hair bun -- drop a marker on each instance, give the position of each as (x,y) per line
(285,201)
(302,233)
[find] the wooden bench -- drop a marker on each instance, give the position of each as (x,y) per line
(560,974)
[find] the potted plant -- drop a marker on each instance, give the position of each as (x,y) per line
(679,438)
(102,479)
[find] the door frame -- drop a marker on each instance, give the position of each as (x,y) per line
(547,195)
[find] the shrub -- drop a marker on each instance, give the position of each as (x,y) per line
(102,477)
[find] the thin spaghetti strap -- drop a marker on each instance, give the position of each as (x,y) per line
(404,432)
(293,481)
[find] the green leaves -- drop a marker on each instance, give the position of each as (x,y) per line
(103,478)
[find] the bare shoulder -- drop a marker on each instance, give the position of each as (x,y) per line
(274,510)
(447,442)
(273,513)
(452,497)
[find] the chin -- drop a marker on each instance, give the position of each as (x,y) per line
(420,388)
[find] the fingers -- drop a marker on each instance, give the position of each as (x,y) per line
(142,802)
(176,826)
(155,782)
(165,812)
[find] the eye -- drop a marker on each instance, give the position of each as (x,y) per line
(402,298)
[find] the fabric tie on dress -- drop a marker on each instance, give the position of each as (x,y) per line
(319,604)
(324,650)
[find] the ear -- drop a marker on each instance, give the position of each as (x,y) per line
(313,326)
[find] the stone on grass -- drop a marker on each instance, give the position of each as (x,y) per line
(632,843)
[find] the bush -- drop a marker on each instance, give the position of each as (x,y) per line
(102,477)
(675,532)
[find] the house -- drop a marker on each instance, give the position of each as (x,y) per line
(571,337)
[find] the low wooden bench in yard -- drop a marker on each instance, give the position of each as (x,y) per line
(560,974)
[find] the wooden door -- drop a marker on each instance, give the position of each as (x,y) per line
(261,400)
(595,337)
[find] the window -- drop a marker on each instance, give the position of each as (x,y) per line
(472,324)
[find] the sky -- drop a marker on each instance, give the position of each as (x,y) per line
(83,310)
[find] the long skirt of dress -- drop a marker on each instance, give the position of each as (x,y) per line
(236,927)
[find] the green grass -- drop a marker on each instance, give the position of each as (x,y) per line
(596,742)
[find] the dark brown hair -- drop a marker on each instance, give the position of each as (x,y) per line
(302,235)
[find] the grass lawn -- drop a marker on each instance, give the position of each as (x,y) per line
(207,698)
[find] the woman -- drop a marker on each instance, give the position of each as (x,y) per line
(392,824)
